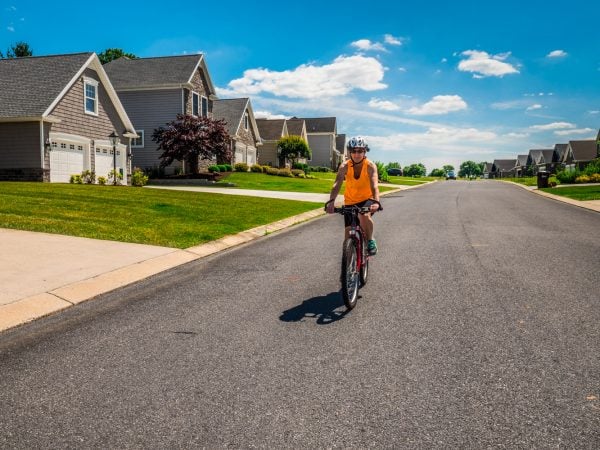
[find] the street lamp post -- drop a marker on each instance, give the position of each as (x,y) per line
(114,139)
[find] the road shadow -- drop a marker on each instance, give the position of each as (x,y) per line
(324,308)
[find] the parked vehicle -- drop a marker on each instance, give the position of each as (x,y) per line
(450,175)
(394,171)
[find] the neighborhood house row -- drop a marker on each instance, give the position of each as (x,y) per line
(57,113)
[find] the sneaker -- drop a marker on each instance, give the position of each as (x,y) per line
(372,247)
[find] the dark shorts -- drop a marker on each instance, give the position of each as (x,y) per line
(348,219)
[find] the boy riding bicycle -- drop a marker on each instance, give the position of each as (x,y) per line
(362,188)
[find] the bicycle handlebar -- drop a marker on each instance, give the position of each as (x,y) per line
(359,209)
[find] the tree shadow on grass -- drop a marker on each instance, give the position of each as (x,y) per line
(325,308)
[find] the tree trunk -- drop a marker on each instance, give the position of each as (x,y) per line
(193,164)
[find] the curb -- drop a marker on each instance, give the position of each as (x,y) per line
(37,306)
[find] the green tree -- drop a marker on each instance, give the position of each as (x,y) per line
(415,170)
(469,169)
(292,148)
(111,54)
(381,172)
(191,138)
(448,168)
(393,165)
(18,50)
(438,172)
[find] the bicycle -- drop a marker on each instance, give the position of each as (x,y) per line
(355,257)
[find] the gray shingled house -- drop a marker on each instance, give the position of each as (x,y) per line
(241,126)
(271,130)
(502,168)
(322,132)
(580,153)
(56,115)
(541,159)
(521,166)
(153,91)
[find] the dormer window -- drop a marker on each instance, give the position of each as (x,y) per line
(90,89)
(246,121)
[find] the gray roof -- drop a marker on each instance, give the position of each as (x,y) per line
(488,167)
(29,85)
(584,150)
(321,125)
(560,150)
(231,110)
(548,156)
(504,164)
(270,129)
(295,126)
(535,154)
(522,160)
(146,73)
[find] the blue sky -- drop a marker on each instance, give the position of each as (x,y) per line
(434,82)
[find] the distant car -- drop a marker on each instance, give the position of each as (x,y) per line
(394,171)
(450,175)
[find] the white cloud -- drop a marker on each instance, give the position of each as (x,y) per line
(553,126)
(343,75)
(268,115)
(556,54)
(482,64)
(534,107)
(401,69)
(383,104)
(594,112)
(440,104)
(590,131)
(366,45)
(10,28)
(389,39)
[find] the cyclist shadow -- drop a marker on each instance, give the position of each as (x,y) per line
(324,308)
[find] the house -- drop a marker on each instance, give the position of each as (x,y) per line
(241,126)
(521,166)
(56,115)
(487,170)
(322,132)
(153,91)
(537,160)
(559,152)
(579,154)
(503,168)
(340,145)
(271,130)
(297,127)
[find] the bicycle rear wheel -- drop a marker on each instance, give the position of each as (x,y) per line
(350,273)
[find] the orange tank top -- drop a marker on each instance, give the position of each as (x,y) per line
(357,190)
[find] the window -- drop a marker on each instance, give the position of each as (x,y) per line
(138,142)
(246,121)
(204,107)
(90,88)
(195,103)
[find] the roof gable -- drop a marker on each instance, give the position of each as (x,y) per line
(503,164)
(154,73)
(272,129)
(321,125)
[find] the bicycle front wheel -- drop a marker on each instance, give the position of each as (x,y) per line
(350,273)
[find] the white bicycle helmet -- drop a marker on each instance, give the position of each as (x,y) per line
(357,141)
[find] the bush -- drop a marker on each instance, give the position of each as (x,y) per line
(553,182)
(75,179)
(114,177)
(300,166)
(88,177)
(567,176)
(595,178)
(285,173)
(256,168)
(101,181)
(272,171)
(265,169)
(225,167)
(138,178)
(298,172)
(241,167)
(582,179)
(593,167)
(214,169)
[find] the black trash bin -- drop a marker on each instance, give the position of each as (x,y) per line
(542,179)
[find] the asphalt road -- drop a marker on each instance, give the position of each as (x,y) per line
(479,328)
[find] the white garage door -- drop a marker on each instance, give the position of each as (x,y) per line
(66,159)
(104,162)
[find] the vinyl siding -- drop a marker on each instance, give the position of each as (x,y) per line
(149,110)
(321,145)
(268,154)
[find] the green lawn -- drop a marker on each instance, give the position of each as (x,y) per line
(576,192)
(527,181)
(147,216)
(409,181)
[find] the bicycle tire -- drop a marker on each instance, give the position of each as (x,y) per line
(350,273)
(364,269)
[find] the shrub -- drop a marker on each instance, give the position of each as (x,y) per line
(241,167)
(75,179)
(552,181)
(256,168)
(225,167)
(297,172)
(88,177)
(593,167)
(114,177)
(567,176)
(595,178)
(300,166)
(265,169)
(101,181)
(214,169)
(582,179)
(272,171)
(285,173)
(138,178)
